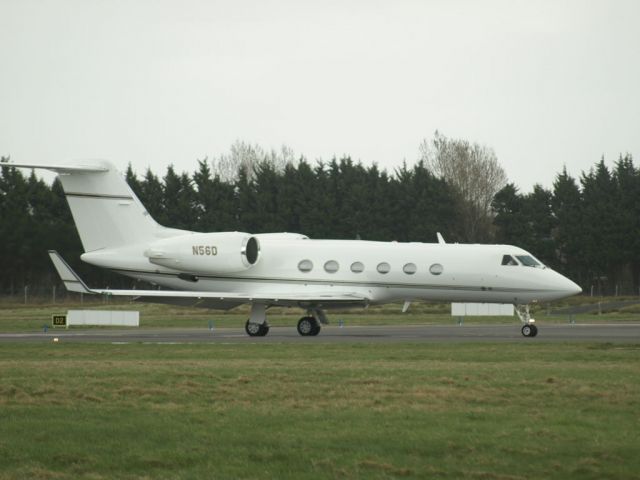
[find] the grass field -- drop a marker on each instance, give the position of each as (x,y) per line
(478,411)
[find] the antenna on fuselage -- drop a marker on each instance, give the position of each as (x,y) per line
(440,239)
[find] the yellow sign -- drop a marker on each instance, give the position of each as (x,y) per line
(59,320)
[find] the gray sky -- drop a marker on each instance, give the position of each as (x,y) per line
(545,83)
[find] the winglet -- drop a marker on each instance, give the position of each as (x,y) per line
(440,239)
(71,280)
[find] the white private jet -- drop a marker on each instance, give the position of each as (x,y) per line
(225,269)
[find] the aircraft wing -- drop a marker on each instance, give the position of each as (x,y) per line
(222,300)
(57,168)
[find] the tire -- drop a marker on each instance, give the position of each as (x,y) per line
(534,330)
(527,331)
(306,326)
(254,329)
(264,329)
(316,328)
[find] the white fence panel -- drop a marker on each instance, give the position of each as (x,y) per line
(481,309)
(103,317)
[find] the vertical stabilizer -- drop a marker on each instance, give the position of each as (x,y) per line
(106,211)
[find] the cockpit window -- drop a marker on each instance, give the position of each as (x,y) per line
(529,261)
(509,260)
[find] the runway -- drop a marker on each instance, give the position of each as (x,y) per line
(619,333)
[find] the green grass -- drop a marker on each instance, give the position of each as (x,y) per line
(505,411)
(18,317)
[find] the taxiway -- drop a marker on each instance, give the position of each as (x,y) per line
(627,333)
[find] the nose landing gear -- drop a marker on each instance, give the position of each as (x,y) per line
(529,328)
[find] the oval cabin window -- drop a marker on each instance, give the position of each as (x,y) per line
(436,269)
(410,268)
(383,267)
(305,265)
(357,267)
(331,266)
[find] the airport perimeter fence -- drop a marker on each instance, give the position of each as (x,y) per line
(49,294)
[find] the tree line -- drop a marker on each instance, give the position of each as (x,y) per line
(587,228)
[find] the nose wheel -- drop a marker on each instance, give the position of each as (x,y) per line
(529,330)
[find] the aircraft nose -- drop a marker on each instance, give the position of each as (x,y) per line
(570,288)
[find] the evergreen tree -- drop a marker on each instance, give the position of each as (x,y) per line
(179,200)
(567,211)
(14,230)
(541,222)
(512,226)
(626,237)
(152,197)
(599,225)
(132,180)
(215,201)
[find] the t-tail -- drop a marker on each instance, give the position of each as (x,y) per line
(106,212)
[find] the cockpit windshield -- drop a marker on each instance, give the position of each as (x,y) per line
(529,261)
(509,260)
(526,260)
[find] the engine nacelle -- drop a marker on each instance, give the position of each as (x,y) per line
(224,252)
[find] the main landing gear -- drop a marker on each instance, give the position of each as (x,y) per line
(256,329)
(308,326)
(529,328)
(257,325)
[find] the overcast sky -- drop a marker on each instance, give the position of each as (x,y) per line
(544,83)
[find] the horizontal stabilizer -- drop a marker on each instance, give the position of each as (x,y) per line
(71,280)
(59,168)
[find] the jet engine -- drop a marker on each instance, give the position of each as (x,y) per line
(224,252)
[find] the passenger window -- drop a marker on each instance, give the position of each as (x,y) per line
(331,266)
(436,269)
(384,267)
(357,267)
(305,266)
(410,268)
(509,260)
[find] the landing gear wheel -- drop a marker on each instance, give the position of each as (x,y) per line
(308,326)
(316,328)
(256,329)
(529,330)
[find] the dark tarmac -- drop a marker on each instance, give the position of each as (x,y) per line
(619,333)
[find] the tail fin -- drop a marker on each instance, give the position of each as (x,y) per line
(106,211)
